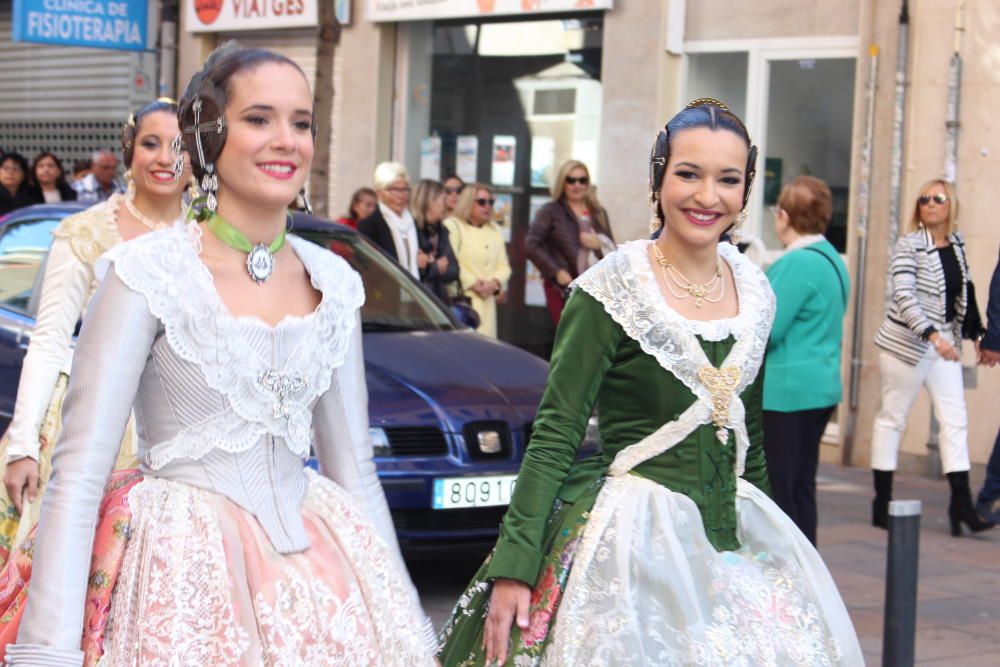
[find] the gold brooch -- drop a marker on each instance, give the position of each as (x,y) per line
(721,384)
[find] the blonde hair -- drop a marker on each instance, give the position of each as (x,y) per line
(463,208)
(387,173)
(425,192)
(949,191)
(597,214)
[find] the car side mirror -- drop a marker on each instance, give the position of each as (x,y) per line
(464,313)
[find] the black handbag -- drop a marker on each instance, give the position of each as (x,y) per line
(972,324)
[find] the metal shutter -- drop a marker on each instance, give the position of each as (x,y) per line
(68,100)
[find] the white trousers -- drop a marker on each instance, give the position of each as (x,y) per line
(900,385)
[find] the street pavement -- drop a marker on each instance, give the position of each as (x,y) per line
(958,612)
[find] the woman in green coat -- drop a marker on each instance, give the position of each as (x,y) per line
(663,549)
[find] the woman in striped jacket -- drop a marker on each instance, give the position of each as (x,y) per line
(920,339)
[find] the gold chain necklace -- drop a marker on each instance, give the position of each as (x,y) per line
(141,218)
(700,292)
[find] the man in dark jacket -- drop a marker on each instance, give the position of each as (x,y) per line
(988,504)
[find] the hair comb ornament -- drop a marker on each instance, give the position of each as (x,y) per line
(209,180)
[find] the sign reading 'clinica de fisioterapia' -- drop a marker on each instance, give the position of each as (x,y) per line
(104,24)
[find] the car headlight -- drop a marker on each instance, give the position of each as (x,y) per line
(380,441)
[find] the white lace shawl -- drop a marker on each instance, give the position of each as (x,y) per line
(624,283)
(165,268)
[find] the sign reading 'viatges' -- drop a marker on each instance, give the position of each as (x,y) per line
(227,15)
(104,24)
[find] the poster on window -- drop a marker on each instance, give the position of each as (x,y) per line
(543,156)
(430,158)
(502,208)
(504,148)
(466,157)
(534,291)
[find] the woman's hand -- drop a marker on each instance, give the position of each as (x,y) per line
(563,278)
(422,259)
(442,263)
(509,602)
(22,475)
(590,241)
(944,348)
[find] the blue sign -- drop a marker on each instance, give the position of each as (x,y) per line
(102,24)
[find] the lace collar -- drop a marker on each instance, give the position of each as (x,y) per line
(165,268)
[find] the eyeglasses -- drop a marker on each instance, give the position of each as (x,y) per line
(486,202)
(399,190)
(453,190)
(12,169)
(939,198)
(583,180)
(775,210)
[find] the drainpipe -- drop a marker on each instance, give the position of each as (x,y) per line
(864,214)
(898,119)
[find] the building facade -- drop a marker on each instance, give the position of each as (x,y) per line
(503,91)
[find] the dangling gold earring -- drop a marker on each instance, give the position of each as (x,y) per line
(736,233)
(654,223)
(130,184)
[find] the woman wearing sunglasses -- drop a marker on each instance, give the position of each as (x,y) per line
(920,341)
(481,253)
(568,235)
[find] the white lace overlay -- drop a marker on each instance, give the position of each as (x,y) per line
(624,283)
(164,267)
(646,586)
(771,603)
(194,589)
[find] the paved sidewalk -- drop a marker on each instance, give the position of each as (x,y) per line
(958,596)
(958,610)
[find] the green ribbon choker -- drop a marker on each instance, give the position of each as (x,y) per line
(260,257)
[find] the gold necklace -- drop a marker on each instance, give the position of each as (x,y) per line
(142,219)
(700,292)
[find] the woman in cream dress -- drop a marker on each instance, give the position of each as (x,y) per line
(153,201)
(482,254)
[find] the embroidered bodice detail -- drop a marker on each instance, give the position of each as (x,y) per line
(624,283)
(92,232)
(265,394)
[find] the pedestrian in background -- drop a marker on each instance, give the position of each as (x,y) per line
(438,265)
(453,186)
(16,191)
(391,225)
(482,254)
(988,502)
(568,235)
(102,181)
(920,341)
(49,180)
(81,168)
(802,377)
(363,203)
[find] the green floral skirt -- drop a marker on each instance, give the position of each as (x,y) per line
(460,642)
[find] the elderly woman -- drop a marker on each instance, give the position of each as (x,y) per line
(920,340)
(15,192)
(568,235)
(391,226)
(439,269)
(482,255)
(802,374)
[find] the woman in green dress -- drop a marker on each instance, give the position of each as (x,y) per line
(664,548)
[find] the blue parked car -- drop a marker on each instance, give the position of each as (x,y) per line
(450,409)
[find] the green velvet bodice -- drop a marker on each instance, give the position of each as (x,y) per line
(594,362)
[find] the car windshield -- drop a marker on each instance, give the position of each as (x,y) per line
(23,247)
(393,301)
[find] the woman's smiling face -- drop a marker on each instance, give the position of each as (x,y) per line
(702,189)
(269,142)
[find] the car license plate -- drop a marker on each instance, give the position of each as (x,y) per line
(452,492)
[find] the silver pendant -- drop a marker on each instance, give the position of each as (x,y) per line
(260,263)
